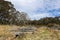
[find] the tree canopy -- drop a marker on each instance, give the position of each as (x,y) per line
(9,15)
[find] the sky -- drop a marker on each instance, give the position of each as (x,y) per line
(37,9)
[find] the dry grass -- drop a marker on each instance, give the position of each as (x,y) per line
(4,33)
(42,33)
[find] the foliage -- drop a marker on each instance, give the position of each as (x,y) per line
(9,15)
(45,21)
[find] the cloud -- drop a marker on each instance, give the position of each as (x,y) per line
(28,5)
(41,15)
(55,12)
(37,9)
(52,4)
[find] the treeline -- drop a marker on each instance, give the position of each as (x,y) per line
(45,21)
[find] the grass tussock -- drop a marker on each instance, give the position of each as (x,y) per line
(42,33)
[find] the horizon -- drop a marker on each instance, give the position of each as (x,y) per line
(37,9)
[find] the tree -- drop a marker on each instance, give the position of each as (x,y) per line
(4,11)
(9,15)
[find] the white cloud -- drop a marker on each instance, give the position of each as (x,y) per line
(52,4)
(28,4)
(41,15)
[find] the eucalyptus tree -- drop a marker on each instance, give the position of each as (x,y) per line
(9,15)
